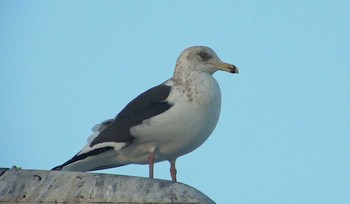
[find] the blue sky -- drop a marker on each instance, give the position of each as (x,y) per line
(283,135)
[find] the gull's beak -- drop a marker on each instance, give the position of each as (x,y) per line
(227,67)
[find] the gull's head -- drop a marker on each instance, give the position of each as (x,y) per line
(202,59)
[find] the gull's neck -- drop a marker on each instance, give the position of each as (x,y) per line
(185,75)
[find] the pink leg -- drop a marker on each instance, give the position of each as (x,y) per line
(151,164)
(173,170)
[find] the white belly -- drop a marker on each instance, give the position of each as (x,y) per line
(178,131)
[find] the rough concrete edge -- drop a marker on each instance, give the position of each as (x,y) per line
(91,174)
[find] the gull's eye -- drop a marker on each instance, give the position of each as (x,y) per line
(204,55)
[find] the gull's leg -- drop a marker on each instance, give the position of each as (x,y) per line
(151,163)
(173,170)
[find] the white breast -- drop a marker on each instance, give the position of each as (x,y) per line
(184,127)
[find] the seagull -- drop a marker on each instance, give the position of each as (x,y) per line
(161,124)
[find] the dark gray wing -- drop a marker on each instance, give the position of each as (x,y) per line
(148,104)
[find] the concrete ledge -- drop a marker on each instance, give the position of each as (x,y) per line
(34,186)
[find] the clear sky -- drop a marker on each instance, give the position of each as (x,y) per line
(283,135)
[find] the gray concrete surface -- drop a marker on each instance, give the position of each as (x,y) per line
(38,186)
